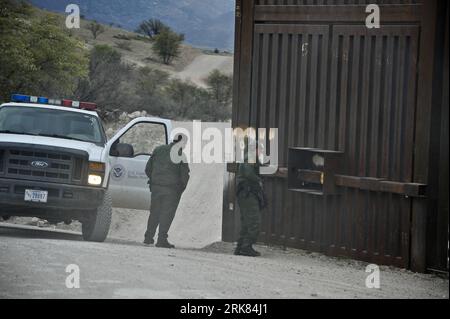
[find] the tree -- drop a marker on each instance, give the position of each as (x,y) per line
(167,45)
(188,100)
(152,28)
(48,67)
(151,80)
(96,29)
(180,93)
(108,82)
(220,86)
(221,90)
(150,85)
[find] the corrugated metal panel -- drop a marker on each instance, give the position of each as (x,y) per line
(328,82)
(353,91)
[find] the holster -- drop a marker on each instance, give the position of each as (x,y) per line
(262,199)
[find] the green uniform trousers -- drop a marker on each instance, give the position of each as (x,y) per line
(163,207)
(250,219)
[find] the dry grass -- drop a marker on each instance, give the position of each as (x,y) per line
(138,50)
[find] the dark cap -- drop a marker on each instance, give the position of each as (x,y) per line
(180,137)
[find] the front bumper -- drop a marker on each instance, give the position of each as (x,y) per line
(60,196)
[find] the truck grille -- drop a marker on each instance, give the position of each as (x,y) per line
(43,166)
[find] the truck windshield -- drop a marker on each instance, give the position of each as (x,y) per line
(51,123)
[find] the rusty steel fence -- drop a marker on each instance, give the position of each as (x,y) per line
(376,98)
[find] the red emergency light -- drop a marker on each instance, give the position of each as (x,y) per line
(43,100)
(80,105)
(88,106)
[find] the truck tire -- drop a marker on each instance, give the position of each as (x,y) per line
(96,228)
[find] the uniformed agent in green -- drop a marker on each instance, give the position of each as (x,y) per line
(251,201)
(167,181)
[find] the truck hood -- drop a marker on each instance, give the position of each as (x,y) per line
(95,152)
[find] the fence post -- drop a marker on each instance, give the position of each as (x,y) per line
(423,128)
(419,235)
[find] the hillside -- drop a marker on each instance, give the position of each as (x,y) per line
(137,51)
(115,68)
(207,24)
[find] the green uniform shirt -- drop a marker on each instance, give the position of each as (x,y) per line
(162,171)
(247,177)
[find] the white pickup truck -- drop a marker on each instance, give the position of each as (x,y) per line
(56,163)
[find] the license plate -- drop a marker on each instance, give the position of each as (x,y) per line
(36,196)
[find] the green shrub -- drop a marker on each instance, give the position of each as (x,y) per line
(167,45)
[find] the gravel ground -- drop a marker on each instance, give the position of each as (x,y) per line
(33,263)
(198,221)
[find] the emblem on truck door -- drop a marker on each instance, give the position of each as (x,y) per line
(118,172)
(39,164)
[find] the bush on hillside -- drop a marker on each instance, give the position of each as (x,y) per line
(152,28)
(167,45)
(48,67)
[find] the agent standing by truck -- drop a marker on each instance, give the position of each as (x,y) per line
(167,181)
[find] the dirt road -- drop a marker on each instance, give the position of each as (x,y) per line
(202,65)
(198,221)
(33,263)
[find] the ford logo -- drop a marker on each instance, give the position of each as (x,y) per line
(39,164)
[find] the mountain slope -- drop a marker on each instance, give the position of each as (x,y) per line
(205,23)
(193,64)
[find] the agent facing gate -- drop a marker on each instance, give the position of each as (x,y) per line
(167,181)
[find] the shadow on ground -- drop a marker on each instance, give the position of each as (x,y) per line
(8,230)
(33,232)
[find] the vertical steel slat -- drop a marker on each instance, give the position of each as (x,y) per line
(273,108)
(302,91)
(312,93)
(262,123)
(385,173)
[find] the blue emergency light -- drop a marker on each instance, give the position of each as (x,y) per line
(58,102)
(43,100)
(20,98)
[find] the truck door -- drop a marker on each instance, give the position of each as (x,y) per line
(129,151)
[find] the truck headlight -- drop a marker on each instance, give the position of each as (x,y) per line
(96,173)
(95,180)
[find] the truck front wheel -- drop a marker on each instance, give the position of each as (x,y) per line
(96,226)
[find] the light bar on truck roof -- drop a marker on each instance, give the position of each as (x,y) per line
(43,100)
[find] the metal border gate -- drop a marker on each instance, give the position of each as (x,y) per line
(378,96)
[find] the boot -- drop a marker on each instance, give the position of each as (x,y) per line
(248,251)
(238,247)
(164,243)
(148,242)
(256,253)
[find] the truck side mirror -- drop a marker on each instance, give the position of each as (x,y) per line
(122,150)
